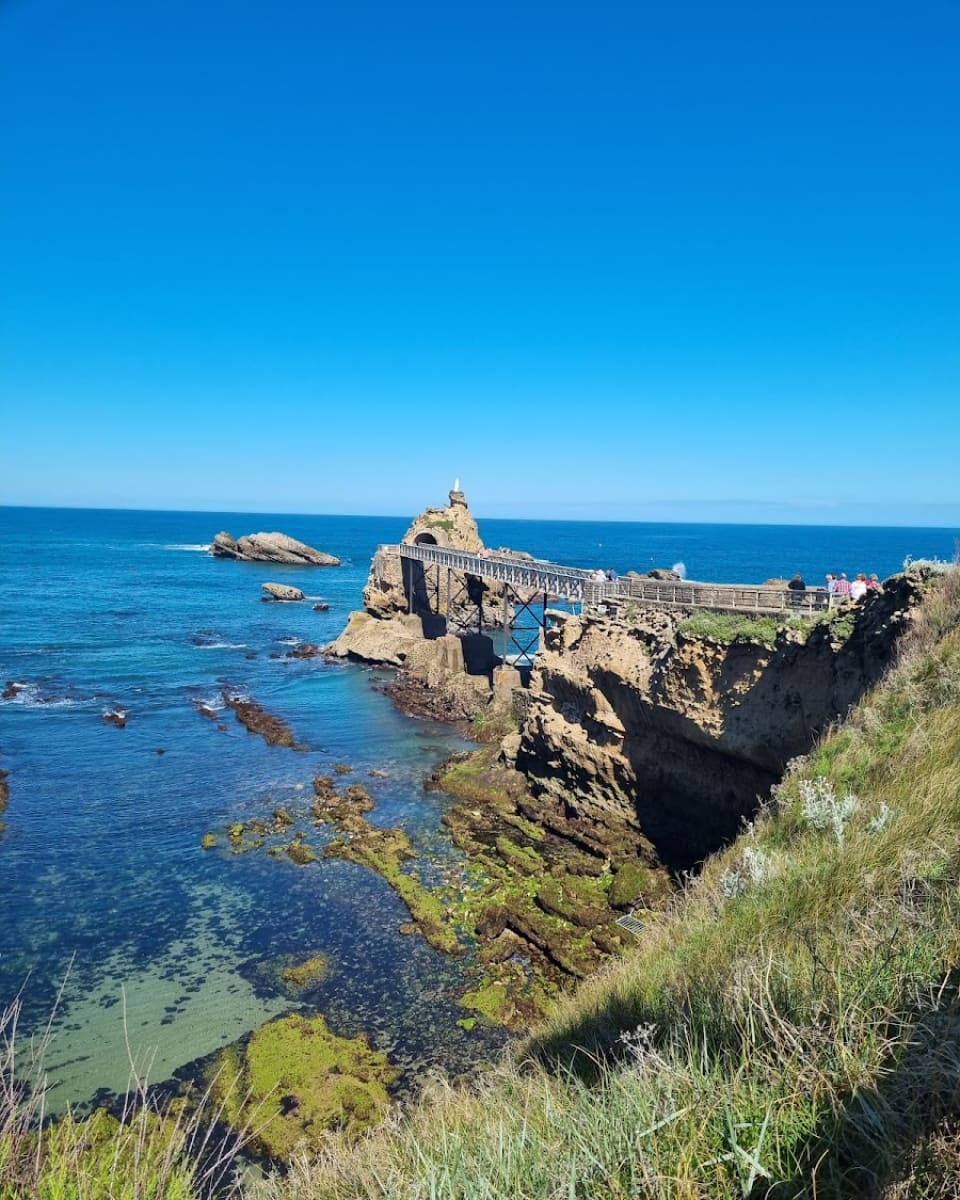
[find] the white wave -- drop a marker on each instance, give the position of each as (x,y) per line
(195,546)
(289,641)
(28,695)
(222,646)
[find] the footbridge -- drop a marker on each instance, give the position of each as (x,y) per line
(446,580)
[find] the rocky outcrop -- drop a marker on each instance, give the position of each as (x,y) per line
(441,676)
(281,591)
(371,639)
(389,591)
(271,547)
(405,623)
(680,735)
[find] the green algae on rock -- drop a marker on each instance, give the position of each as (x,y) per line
(386,851)
(631,883)
(537,897)
(300,852)
(304,974)
(294,1080)
(208,841)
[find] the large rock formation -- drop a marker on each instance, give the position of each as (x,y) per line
(388,592)
(683,735)
(271,547)
(405,622)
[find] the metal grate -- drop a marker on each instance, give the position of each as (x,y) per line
(631,924)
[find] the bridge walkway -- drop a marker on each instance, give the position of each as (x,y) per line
(579,586)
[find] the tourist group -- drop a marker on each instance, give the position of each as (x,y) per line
(840,587)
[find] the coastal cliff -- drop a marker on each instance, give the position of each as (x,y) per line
(648,724)
(682,733)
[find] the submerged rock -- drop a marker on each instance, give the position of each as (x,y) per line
(116,717)
(255,719)
(306,650)
(304,974)
(271,547)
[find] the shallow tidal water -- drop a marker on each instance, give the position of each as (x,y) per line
(164,950)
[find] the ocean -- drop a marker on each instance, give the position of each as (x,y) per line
(141,944)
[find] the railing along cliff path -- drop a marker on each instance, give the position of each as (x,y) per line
(578,586)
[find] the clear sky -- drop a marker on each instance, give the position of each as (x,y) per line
(665,261)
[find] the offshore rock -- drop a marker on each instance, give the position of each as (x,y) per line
(271,547)
(281,591)
(682,736)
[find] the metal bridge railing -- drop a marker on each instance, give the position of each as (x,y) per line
(533,574)
(579,586)
(763,601)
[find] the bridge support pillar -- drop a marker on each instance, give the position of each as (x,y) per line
(506,680)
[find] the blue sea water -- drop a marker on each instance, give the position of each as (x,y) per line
(103,883)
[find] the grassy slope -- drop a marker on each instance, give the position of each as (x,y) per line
(789,1028)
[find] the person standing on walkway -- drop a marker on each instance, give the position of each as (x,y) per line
(842,587)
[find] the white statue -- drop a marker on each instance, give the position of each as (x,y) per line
(456,484)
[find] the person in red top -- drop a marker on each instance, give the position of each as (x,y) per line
(842,587)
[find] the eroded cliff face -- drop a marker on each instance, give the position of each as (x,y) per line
(683,736)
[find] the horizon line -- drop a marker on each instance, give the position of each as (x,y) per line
(825,524)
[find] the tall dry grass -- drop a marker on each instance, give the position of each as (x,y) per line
(150,1149)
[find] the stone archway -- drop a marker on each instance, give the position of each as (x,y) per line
(425,539)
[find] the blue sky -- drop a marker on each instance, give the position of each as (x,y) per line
(688,261)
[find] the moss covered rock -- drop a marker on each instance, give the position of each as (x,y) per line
(295,1080)
(630,883)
